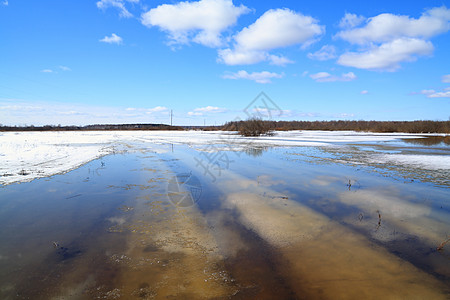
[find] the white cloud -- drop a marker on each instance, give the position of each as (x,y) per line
(351,21)
(325,53)
(434,94)
(344,115)
(387,56)
(241,57)
(309,114)
(320,75)
(119,4)
(201,22)
(276,28)
(157,109)
(113,39)
(446,78)
(20,112)
(364,92)
(210,109)
(206,110)
(386,40)
(279,60)
(193,113)
(427,92)
(327,77)
(20,107)
(65,68)
(5,3)
(445,94)
(231,57)
(387,27)
(259,77)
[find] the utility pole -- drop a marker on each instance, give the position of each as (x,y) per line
(171,114)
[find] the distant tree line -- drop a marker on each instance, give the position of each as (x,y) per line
(369,126)
(92,127)
(256,127)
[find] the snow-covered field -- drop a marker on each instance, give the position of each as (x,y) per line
(25,156)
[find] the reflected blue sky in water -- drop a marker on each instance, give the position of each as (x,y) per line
(115,204)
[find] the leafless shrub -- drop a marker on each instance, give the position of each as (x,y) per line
(254,127)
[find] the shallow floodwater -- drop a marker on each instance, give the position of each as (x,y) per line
(267,223)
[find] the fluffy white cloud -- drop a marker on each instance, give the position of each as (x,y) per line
(445,94)
(5,3)
(446,78)
(320,75)
(364,92)
(388,55)
(350,21)
(276,28)
(206,110)
(387,40)
(201,22)
(325,53)
(434,94)
(327,77)
(387,27)
(113,39)
(119,4)
(232,58)
(47,71)
(279,60)
(259,77)
(242,57)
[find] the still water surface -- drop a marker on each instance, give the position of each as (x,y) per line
(284,223)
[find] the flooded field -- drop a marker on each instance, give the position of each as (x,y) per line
(349,220)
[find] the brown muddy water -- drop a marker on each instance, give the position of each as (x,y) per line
(284,223)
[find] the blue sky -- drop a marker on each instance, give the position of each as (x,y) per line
(132,61)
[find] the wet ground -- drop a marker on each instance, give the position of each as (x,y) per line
(264,223)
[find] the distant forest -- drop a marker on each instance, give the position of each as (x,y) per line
(369,126)
(92,127)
